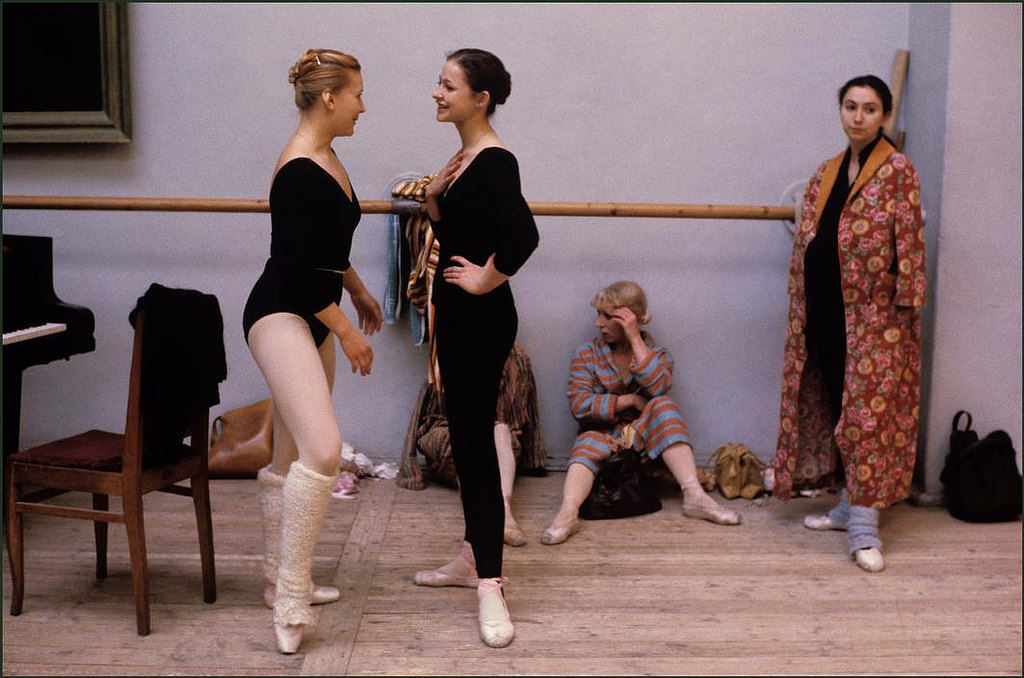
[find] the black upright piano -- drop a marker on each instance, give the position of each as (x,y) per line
(38,327)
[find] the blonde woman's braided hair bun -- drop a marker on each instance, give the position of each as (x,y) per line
(318,70)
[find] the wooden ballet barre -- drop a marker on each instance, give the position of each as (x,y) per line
(547,209)
(661,210)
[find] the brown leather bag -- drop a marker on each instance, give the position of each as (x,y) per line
(738,471)
(241,441)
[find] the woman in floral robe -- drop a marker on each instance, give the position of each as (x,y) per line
(852,362)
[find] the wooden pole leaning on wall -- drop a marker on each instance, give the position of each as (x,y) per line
(896,85)
(551,209)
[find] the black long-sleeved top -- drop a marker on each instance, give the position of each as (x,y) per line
(821,260)
(312,222)
(483,213)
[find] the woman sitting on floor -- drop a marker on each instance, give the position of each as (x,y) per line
(617,387)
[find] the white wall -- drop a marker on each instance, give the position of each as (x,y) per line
(977,339)
(713,103)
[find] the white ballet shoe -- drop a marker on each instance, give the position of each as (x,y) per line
(495,625)
(556,535)
(318,595)
(713,514)
(514,535)
(821,522)
(289,637)
(870,559)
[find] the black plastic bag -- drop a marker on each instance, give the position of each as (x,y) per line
(623,487)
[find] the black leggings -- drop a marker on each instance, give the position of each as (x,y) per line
(471,352)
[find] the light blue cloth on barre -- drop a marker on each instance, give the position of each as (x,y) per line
(394,285)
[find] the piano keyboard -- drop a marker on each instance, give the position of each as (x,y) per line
(33,332)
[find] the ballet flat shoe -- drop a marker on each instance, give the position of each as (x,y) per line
(514,535)
(289,637)
(718,515)
(557,535)
(496,628)
(497,632)
(438,578)
(870,560)
(821,522)
(320,595)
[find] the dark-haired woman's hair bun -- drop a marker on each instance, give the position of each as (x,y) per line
(484,73)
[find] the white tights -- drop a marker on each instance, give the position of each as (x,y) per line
(300,377)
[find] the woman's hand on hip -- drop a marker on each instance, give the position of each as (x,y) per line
(472,278)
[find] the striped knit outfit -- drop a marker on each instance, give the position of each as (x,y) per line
(595,384)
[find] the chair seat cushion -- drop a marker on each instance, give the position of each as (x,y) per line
(98,450)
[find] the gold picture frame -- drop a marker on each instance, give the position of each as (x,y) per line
(108,123)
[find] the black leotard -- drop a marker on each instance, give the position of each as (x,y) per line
(312,222)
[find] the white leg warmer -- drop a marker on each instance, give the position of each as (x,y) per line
(306,495)
(271,503)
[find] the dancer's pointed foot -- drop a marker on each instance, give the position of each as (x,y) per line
(289,637)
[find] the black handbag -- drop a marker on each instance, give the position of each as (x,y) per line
(622,487)
(981,478)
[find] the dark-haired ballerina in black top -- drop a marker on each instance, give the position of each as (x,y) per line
(288,321)
(486,232)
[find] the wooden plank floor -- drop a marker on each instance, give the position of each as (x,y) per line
(657,594)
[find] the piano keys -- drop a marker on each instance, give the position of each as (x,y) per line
(33,332)
(38,327)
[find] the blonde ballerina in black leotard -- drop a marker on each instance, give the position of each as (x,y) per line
(290,319)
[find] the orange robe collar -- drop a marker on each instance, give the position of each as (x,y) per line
(883,149)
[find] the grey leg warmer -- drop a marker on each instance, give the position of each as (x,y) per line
(840,514)
(863,528)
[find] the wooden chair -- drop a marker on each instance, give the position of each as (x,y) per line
(107,464)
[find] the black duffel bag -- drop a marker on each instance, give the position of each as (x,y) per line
(981,479)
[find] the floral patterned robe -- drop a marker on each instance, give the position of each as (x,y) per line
(876,436)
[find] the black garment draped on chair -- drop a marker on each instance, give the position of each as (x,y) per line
(183,359)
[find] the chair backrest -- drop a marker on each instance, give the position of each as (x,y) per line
(131,463)
(141,418)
